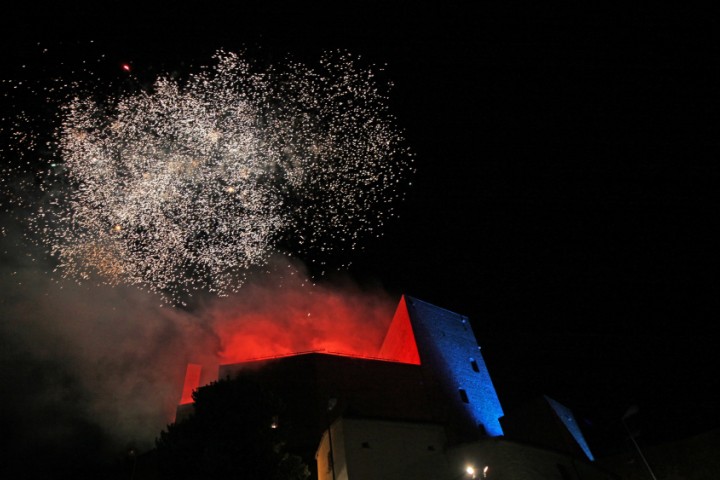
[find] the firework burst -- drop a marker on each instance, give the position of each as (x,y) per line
(186,185)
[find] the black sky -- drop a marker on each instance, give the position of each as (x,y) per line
(566,189)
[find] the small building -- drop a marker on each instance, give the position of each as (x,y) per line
(368,449)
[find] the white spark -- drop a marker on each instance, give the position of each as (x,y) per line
(188,185)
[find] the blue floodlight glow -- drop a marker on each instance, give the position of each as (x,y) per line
(448,338)
(568,419)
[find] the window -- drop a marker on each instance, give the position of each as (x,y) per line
(463,395)
(474,365)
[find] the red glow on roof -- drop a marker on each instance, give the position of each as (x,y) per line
(324,352)
(399,343)
(192,382)
(291,322)
(324,322)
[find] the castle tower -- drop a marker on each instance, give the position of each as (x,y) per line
(450,357)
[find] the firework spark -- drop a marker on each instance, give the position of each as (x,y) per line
(186,185)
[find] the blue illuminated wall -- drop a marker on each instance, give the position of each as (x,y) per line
(450,353)
(568,419)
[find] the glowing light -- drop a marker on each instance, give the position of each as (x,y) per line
(470,470)
(312,158)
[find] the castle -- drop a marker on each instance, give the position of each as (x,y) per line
(424,407)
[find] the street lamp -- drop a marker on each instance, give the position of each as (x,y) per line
(133,454)
(472,472)
(630,412)
(332,402)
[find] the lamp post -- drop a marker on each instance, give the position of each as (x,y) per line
(472,472)
(630,412)
(133,454)
(331,404)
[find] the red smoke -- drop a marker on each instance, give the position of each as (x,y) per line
(294,317)
(295,321)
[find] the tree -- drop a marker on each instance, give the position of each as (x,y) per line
(235,432)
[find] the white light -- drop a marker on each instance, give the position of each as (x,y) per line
(470,470)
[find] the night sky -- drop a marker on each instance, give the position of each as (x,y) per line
(566,194)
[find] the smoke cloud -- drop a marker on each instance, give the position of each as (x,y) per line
(90,369)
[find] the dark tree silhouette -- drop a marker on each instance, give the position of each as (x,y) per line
(235,432)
